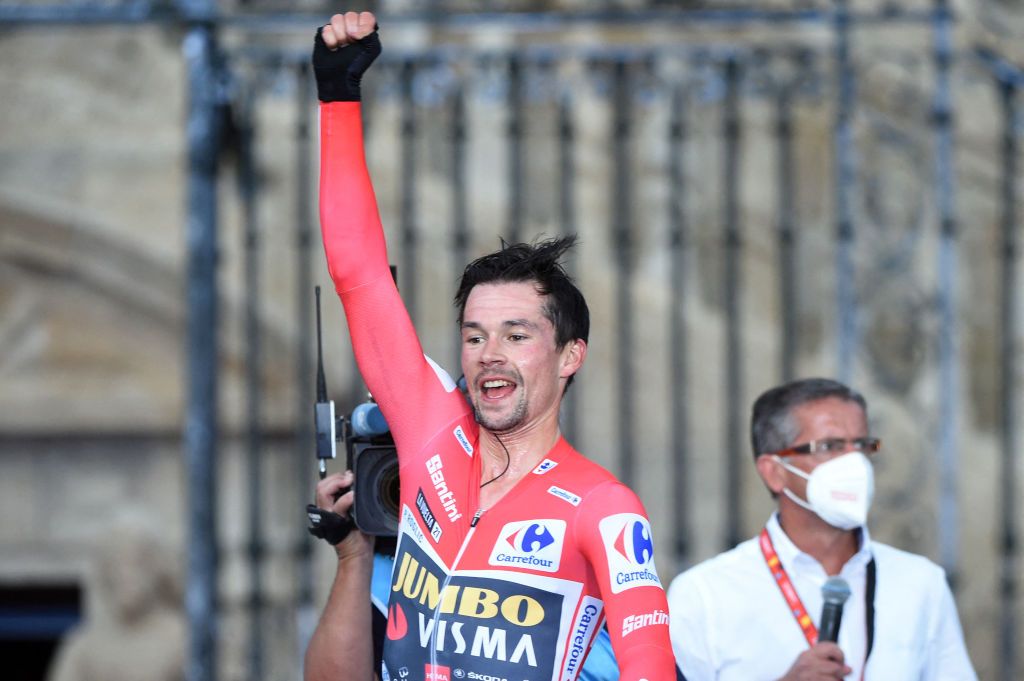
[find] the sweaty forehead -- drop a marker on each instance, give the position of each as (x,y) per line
(507,301)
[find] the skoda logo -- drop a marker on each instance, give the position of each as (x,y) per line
(458,673)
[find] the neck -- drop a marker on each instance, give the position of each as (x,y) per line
(520,450)
(501,471)
(830,546)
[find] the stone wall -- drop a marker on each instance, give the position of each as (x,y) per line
(92,263)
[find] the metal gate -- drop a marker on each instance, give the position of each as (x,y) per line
(750,209)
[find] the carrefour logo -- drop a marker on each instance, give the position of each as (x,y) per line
(564,495)
(533,538)
(460,436)
(588,620)
(544,466)
(634,542)
(629,547)
(531,544)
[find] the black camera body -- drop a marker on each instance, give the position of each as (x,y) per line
(373,459)
(371,456)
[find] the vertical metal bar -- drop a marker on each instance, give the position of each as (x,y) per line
(201,424)
(845,181)
(786,231)
(732,274)
(948,346)
(621,192)
(253,385)
(460,223)
(1009,289)
(678,340)
(304,453)
(516,186)
(407,274)
(567,218)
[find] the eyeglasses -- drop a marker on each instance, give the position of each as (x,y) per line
(834,445)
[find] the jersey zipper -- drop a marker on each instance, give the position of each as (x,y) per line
(447,580)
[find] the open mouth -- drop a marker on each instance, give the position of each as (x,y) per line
(496,388)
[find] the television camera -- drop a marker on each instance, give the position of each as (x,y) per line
(369,453)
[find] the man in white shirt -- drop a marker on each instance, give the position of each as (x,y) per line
(753,612)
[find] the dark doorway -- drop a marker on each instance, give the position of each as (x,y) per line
(33,619)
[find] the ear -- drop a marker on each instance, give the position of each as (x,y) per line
(772,472)
(573,354)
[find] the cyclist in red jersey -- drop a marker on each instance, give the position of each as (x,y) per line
(513,548)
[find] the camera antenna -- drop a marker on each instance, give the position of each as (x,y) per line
(323,415)
(321,380)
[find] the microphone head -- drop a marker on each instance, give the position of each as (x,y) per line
(835,590)
(368,421)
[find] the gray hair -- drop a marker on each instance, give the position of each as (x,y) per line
(771,423)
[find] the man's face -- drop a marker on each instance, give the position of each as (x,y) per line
(514,372)
(819,420)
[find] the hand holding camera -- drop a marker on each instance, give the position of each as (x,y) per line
(330,518)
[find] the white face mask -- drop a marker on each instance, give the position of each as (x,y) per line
(839,490)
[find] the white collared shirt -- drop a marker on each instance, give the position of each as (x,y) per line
(729,620)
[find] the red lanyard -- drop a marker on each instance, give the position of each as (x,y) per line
(796,606)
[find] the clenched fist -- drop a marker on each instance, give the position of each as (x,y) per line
(342,51)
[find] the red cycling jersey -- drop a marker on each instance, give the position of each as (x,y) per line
(516,592)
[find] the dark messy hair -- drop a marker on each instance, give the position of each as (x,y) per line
(538,263)
(771,424)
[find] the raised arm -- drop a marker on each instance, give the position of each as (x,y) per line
(387,349)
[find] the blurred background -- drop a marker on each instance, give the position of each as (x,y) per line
(763,190)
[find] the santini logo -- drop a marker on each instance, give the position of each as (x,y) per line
(634,622)
(445,495)
(531,544)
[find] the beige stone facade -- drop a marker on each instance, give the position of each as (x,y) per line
(92,310)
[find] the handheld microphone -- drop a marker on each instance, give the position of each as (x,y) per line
(834,592)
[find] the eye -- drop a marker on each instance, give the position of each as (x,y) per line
(516,337)
(472,340)
(834,445)
(867,445)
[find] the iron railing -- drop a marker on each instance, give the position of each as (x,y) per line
(687,82)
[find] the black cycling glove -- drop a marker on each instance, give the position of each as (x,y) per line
(328,525)
(338,72)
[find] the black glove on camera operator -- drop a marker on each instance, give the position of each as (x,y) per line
(334,500)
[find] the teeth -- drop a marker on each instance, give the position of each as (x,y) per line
(496,384)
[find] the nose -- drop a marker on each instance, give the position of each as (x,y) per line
(492,352)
